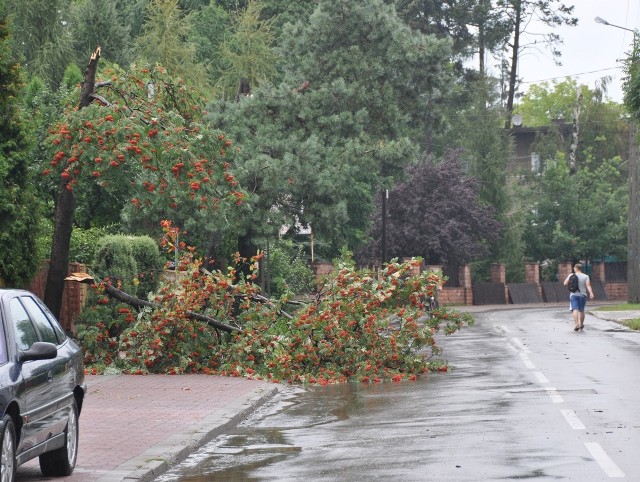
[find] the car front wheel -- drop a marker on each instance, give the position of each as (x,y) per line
(8,455)
(62,461)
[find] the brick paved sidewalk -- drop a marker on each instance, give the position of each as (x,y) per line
(136,427)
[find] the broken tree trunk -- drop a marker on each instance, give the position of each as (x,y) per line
(138,303)
(65,207)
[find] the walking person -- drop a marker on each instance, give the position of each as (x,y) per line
(578,299)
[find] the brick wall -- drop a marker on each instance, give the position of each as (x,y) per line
(453,296)
(616,291)
(564,270)
(74,295)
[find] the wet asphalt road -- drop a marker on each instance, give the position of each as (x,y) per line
(528,398)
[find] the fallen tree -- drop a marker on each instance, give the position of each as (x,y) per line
(361,326)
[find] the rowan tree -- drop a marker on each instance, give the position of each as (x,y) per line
(142,142)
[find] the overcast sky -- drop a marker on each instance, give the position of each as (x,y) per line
(590,50)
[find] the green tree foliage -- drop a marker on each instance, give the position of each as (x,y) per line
(115,261)
(456,19)
(97,23)
(84,242)
(133,263)
(150,154)
(519,15)
(395,76)
(579,216)
(360,87)
(149,264)
(283,12)
(209,27)
(18,202)
(486,147)
(132,15)
(247,51)
(288,270)
(41,38)
(164,41)
(487,150)
(632,82)
(603,131)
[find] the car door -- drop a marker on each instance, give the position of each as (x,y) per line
(37,380)
(62,368)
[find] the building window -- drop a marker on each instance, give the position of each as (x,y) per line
(535,162)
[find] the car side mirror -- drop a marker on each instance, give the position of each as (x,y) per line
(40,350)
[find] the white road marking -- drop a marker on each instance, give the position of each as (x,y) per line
(520,345)
(541,378)
(572,419)
(553,393)
(604,461)
(527,362)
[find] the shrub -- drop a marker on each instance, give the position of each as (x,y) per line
(288,270)
(84,243)
(115,262)
(149,263)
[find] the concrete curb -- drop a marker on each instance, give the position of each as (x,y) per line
(174,449)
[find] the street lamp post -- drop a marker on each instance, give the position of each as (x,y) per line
(633,232)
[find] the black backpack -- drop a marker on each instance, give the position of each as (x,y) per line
(573,283)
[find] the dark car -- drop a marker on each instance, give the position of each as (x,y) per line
(41,388)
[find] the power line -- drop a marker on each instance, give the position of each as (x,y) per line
(569,75)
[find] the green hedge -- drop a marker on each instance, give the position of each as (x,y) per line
(133,263)
(150,264)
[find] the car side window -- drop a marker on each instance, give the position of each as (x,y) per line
(24,330)
(62,336)
(47,333)
(3,346)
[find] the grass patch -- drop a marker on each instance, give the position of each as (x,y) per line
(633,324)
(620,307)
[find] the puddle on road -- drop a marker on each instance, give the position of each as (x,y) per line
(262,439)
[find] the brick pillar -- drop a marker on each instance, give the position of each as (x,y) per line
(597,272)
(498,273)
(532,273)
(464,278)
(564,270)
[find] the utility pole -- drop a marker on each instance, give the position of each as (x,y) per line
(633,230)
(633,233)
(385,197)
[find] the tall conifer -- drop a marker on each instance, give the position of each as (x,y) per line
(17,206)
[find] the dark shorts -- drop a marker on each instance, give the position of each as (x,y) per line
(578,302)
